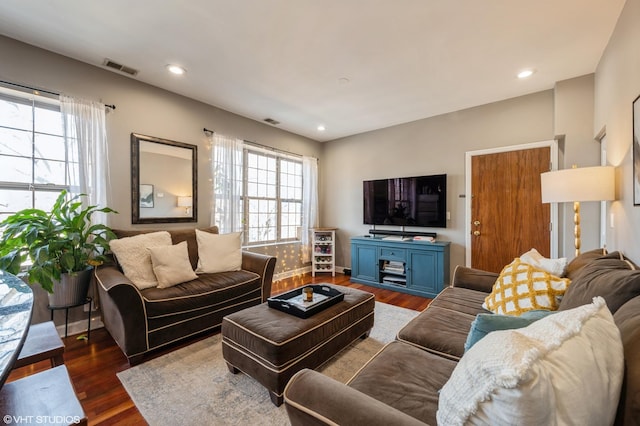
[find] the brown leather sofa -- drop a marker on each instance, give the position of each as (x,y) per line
(143,320)
(400,385)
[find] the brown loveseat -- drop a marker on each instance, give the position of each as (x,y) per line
(401,384)
(143,320)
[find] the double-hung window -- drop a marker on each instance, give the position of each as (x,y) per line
(271,197)
(35,165)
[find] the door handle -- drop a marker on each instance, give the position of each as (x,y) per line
(476,233)
(476,222)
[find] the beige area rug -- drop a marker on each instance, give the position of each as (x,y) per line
(192,385)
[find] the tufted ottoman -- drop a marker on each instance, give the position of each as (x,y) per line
(271,346)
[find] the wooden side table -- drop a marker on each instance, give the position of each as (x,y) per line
(42,343)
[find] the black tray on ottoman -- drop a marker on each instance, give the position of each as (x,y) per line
(292,302)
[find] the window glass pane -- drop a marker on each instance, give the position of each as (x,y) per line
(48,121)
(14,169)
(15,115)
(252,189)
(12,200)
(45,199)
(253,160)
(49,172)
(49,147)
(15,142)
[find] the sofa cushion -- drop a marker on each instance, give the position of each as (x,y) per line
(171,264)
(406,378)
(204,293)
(574,267)
(627,319)
(135,259)
(612,277)
(522,287)
(218,252)
(448,320)
(566,368)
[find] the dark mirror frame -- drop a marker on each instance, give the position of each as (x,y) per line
(135,180)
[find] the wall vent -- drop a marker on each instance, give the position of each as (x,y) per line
(123,68)
(271,121)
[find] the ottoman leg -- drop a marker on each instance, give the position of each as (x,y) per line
(276,399)
(232,369)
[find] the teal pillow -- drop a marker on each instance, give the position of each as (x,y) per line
(486,323)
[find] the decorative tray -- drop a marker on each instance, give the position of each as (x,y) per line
(292,302)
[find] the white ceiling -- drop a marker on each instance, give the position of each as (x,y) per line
(285,59)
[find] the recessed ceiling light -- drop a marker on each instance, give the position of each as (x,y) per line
(176,69)
(525,73)
(321,128)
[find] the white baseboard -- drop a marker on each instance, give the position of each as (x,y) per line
(292,273)
(78,327)
(301,271)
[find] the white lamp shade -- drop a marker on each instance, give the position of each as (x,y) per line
(580,184)
(185,201)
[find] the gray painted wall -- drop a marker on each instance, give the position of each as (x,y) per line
(617,84)
(430,146)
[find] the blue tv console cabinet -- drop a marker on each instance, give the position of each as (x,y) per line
(420,268)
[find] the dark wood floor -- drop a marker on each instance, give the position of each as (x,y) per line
(93,365)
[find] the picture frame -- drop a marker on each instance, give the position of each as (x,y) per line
(146,196)
(636,151)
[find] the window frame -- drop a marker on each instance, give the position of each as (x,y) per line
(279,201)
(34,101)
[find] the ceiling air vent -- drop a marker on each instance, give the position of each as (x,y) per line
(271,121)
(123,68)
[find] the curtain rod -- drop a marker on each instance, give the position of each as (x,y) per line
(38,91)
(259,145)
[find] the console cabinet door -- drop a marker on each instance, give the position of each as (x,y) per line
(422,271)
(364,262)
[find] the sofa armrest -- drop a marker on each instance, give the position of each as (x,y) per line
(473,279)
(312,398)
(262,265)
(122,310)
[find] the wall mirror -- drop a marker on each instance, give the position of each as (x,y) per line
(164,180)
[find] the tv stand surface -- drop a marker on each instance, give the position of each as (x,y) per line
(375,232)
(415,267)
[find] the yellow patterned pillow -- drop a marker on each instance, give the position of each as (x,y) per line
(522,287)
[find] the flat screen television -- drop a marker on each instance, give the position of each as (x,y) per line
(409,201)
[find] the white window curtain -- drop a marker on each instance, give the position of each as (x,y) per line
(86,138)
(309,204)
(226,170)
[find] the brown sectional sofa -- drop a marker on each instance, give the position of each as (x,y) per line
(401,384)
(143,320)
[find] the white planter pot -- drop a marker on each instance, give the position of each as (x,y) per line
(71,290)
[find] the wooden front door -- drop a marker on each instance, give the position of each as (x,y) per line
(507,214)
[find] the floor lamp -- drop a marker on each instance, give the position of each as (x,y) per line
(576,185)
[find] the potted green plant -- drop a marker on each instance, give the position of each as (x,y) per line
(62,247)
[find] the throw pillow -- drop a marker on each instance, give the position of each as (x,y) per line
(135,259)
(171,264)
(486,323)
(218,252)
(613,278)
(566,368)
(553,266)
(521,287)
